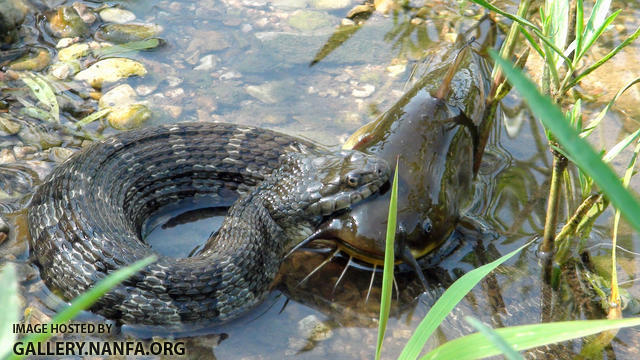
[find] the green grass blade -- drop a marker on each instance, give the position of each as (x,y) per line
(528,24)
(518,19)
(87,299)
(10,304)
(44,93)
(497,340)
(597,18)
(389,260)
(614,151)
(92,117)
(558,11)
(446,303)
(532,41)
(127,47)
(579,150)
(476,346)
(579,29)
(599,63)
(596,121)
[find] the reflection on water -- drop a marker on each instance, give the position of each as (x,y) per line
(247,62)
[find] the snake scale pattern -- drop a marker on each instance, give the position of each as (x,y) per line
(86,218)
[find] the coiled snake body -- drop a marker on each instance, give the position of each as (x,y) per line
(85,219)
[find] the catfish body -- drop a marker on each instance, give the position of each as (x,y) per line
(432,133)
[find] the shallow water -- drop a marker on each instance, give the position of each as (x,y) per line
(261,76)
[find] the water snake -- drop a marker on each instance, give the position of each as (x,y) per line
(85,219)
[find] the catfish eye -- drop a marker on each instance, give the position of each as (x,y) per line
(352,180)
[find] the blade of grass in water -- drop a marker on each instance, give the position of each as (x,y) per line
(476,346)
(446,303)
(495,338)
(92,117)
(10,308)
(87,299)
(389,257)
(43,92)
(578,149)
(128,47)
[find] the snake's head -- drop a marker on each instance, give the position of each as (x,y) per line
(308,187)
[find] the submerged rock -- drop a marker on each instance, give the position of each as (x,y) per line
(307,20)
(117,15)
(8,126)
(272,92)
(123,33)
(34,62)
(66,22)
(111,70)
(118,96)
(128,117)
(330,4)
(12,14)
(311,328)
(73,52)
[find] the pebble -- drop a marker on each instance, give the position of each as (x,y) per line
(63,70)
(60,154)
(313,329)
(22,152)
(246,28)
(117,15)
(174,111)
(173,81)
(6,156)
(73,52)
(64,42)
(144,90)
(85,13)
(207,63)
(8,126)
(208,41)
(363,91)
(230,75)
(395,70)
(128,117)
(330,4)
(119,95)
(175,94)
(110,70)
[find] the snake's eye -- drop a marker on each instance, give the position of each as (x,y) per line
(427,226)
(352,180)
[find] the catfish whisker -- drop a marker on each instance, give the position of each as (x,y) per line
(318,268)
(373,275)
(395,285)
(342,275)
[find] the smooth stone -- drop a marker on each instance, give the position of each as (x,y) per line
(12,14)
(62,70)
(111,70)
(272,92)
(311,328)
(66,22)
(208,41)
(32,62)
(123,33)
(119,95)
(73,52)
(289,4)
(363,91)
(330,4)
(117,15)
(307,20)
(128,117)
(207,63)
